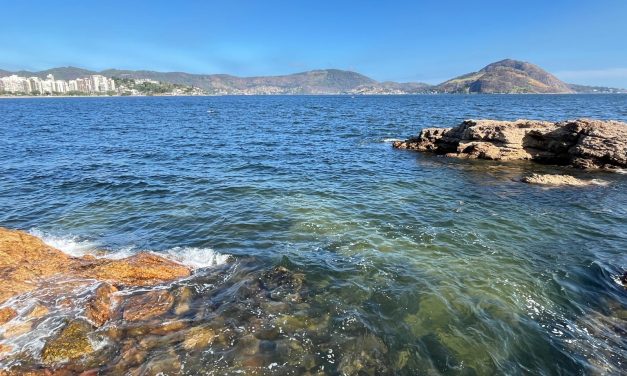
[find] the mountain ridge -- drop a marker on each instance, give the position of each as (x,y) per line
(504,76)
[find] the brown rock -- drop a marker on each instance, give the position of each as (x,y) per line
(17,329)
(147,305)
(198,338)
(142,269)
(582,143)
(162,364)
(25,260)
(26,263)
(100,307)
(4,349)
(559,180)
(7,314)
(38,311)
(70,344)
(184,300)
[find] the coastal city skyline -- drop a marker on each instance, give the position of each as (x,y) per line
(35,85)
(404,42)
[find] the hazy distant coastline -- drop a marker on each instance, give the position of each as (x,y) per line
(503,77)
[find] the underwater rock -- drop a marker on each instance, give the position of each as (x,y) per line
(198,338)
(283,284)
(17,329)
(582,143)
(167,363)
(100,306)
(147,305)
(70,344)
(559,180)
(364,355)
(39,310)
(183,301)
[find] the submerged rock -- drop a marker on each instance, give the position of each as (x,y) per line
(582,143)
(559,180)
(100,307)
(70,344)
(147,305)
(198,338)
(364,355)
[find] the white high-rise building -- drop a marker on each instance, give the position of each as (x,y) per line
(15,84)
(91,84)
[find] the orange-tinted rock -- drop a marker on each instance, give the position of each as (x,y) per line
(142,269)
(148,305)
(38,311)
(7,314)
(26,262)
(4,350)
(100,307)
(17,329)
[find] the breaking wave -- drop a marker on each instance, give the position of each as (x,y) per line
(73,245)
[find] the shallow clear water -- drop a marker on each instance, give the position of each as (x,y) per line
(427,265)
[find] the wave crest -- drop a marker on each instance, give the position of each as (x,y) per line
(73,245)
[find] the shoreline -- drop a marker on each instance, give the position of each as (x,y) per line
(294,95)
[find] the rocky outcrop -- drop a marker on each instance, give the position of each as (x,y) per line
(582,143)
(555,180)
(26,263)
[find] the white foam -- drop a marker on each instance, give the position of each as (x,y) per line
(196,257)
(391,140)
(74,246)
(70,244)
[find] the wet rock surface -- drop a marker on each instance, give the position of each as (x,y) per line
(147,305)
(100,307)
(582,143)
(7,314)
(555,180)
(70,344)
(26,263)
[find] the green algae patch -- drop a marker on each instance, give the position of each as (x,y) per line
(71,344)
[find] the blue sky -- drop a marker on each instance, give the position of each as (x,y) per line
(580,41)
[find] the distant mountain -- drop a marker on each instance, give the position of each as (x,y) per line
(506,76)
(583,89)
(61,73)
(325,81)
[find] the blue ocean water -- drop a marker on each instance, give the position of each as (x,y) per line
(443,266)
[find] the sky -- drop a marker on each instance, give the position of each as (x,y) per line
(582,42)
